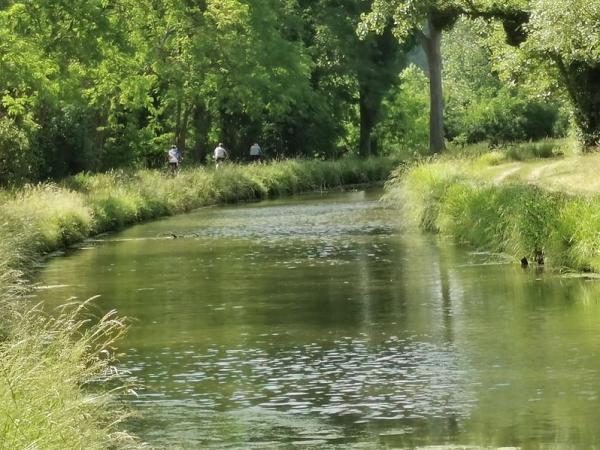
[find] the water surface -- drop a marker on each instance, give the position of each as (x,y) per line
(323,322)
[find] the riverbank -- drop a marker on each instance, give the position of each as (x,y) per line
(544,208)
(49,363)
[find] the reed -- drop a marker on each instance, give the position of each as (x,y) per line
(53,370)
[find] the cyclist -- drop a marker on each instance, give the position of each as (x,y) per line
(220,154)
(173,159)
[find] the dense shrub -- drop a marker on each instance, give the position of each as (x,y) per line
(404,125)
(18,162)
(504,117)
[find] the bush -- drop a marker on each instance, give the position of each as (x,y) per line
(505,117)
(18,162)
(404,126)
(543,149)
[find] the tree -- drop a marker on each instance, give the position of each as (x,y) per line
(404,128)
(48,50)
(359,69)
(562,34)
(219,70)
(484,101)
(425,19)
(566,33)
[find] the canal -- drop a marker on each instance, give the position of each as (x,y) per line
(323,321)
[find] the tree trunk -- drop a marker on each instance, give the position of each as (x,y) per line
(182,129)
(368,119)
(201,123)
(432,45)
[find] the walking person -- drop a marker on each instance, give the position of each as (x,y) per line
(173,159)
(220,154)
(255,153)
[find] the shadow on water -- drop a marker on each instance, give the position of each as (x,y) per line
(323,322)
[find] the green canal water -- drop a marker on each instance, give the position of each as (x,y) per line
(324,322)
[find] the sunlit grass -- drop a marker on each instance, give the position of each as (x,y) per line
(420,188)
(50,369)
(523,218)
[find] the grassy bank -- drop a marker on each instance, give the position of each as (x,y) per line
(492,203)
(53,369)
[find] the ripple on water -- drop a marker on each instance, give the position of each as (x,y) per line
(278,223)
(349,380)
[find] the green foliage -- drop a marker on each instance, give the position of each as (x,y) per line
(563,27)
(505,117)
(560,51)
(130,79)
(479,106)
(530,150)
(18,162)
(404,126)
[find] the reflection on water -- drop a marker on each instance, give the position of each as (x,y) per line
(320,322)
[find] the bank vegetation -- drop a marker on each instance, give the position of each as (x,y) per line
(497,201)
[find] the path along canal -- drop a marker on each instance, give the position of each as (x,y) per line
(323,322)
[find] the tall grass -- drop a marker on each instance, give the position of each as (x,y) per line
(50,368)
(547,148)
(50,365)
(419,189)
(483,152)
(519,219)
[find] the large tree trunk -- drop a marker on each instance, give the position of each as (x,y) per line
(182,128)
(583,85)
(201,123)
(368,118)
(433,49)
(182,123)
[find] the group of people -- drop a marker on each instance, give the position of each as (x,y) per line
(220,154)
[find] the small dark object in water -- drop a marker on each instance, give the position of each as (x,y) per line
(539,257)
(524,262)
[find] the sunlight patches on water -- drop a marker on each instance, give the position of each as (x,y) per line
(353,379)
(273,224)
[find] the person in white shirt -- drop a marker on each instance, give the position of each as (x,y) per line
(173,158)
(255,152)
(220,154)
